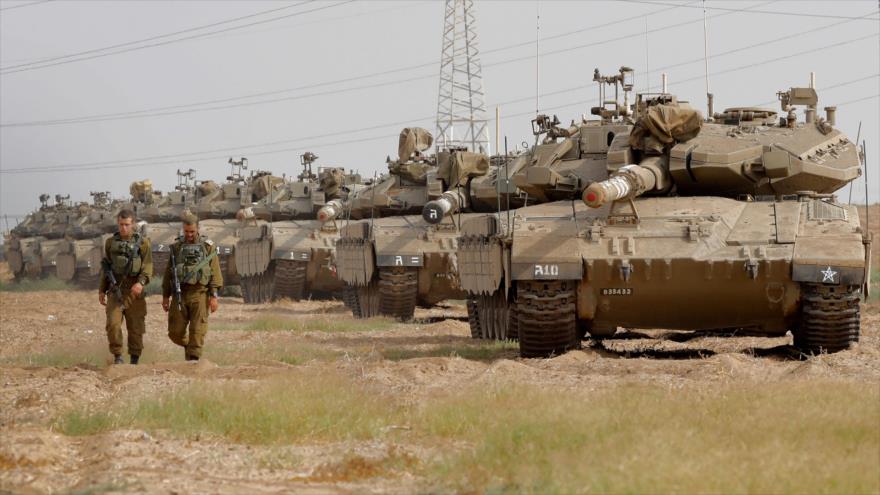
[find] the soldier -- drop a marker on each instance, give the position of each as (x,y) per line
(127,266)
(194,280)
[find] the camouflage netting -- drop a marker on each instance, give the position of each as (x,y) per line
(412,140)
(416,172)
(665,125)
(461,166)
(332,179)
(263,185)
(141,190)
(207,187)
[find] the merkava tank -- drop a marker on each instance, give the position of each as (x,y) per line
(23,244)
(721,225)
(391,265)
(78,256)
(284,252)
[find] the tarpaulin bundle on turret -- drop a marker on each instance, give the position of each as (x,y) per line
(664,125)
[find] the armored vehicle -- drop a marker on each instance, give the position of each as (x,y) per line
(33,244)
(723,224)
(289,254)
(79,254)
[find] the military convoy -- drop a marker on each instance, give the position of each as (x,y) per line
(649,216)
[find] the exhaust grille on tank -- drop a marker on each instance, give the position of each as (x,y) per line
(820,210)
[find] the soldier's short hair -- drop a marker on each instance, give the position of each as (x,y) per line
(189,219)
(125,213)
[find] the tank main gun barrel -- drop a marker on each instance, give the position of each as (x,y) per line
(330,211)
(629,181)
(448,203)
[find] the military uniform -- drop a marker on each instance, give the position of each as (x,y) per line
(198,270)
(131,261)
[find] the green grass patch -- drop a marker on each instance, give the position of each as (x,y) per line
(36,285)
(93,355)
(786,437)
(311,406)
(489,351)
(280,323)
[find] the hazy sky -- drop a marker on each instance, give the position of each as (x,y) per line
(293,81)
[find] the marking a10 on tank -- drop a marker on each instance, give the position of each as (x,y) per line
(727,223)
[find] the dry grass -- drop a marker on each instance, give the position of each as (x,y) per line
(280,323)
(479,351)
(811,436)
(36,285)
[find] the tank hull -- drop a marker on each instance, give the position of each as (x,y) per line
(288,259)
(698,263)
(411,261)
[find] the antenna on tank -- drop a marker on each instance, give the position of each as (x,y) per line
(537,54)
(709,105)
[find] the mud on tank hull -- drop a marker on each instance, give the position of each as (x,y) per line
(288,259)
(696,263)
(396,264)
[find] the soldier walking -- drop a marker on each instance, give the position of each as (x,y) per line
(190,288)
(127,267)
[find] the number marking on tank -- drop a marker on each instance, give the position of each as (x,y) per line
(546,270)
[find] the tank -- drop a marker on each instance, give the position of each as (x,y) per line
(411,261)
(78,258)
(216,205)
(33,244)
(726,224)
(283,251)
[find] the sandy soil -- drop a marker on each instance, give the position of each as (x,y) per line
(37,385)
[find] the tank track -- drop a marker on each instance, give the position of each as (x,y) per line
(362,301)
(546,320)
(830,318)
(160,261)
(398,292)
(290,279)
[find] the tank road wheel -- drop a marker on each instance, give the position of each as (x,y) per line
(398,291)
(290,279)
(829,319)
(545,312)
(474,318)
(84,278)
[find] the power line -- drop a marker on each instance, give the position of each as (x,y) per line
(40,65)
(396,8)
(151,38)
(787,14)
(180,155)
(24,5)
(172,110)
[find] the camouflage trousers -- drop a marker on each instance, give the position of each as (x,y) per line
(193,314)
(135,322)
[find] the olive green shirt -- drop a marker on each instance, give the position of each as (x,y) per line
(214,285)
(146,273)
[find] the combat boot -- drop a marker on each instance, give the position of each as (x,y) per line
(134,358)
(117,359)
(192,358)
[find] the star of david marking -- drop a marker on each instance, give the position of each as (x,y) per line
(828,275)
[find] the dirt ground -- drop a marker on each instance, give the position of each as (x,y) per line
(53,358)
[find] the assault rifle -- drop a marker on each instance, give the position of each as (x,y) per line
(176,281)
(111,279)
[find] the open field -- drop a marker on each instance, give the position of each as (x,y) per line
(300,397)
